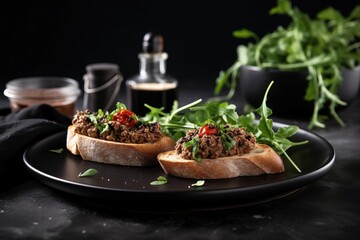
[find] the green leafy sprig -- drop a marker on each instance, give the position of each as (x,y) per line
(322,46)
(279,140)
(194,115)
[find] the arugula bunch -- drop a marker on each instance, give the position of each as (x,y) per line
(321,46)
(194,115)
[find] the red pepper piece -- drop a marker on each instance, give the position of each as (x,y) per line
(125,117)
(207,130)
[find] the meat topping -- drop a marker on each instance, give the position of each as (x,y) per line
(229,141)
(115,131)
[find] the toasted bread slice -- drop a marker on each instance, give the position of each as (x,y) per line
(262,160)
(127,154)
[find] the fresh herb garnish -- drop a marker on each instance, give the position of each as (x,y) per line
(228,141)
(173,124)
(161,180)
(279,140)
(88,173)
(59,150)
(194,144)
(321,46)
(100,118)
(222,113)
(191,116)
(199,183)
(96,119)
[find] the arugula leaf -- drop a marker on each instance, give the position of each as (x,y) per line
(283,7)
(277,139)
(248,121)
(245,33)
(355,13)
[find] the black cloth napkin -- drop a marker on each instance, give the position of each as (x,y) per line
(18,131)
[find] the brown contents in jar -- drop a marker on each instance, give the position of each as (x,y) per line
(59,92)
(66,109)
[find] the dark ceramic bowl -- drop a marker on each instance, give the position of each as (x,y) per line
(286,96)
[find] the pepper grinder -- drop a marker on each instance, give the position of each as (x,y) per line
(152,85)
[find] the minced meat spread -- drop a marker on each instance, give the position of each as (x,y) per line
(229,141)
(114,130)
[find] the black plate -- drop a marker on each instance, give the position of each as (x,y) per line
(129,187)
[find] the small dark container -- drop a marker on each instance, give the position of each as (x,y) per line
(102,83)
(286,96)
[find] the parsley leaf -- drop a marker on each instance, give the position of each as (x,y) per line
(59,150)
(199,183)
(88,173)
(161,180)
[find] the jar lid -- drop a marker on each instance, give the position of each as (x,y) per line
(42,88)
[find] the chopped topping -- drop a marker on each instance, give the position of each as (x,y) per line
(121,125)
(207,129)
(212,142)
(125,117)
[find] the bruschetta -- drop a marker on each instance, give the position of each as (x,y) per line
(216,152)
(116,138)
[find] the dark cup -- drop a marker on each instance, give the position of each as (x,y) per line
(102,83)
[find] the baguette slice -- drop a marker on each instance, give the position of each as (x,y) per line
(262,160)
(126,154)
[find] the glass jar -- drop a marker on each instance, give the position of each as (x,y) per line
(58,92)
